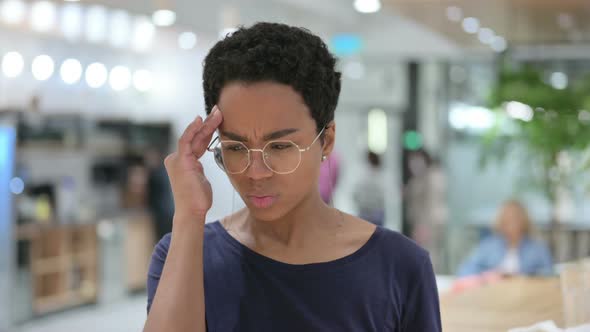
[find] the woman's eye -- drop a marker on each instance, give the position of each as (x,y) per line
(235,147)
(280,146)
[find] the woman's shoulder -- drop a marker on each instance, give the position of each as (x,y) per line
(492,241)
(535,244)
(400,252)
(384,240)
(402,260)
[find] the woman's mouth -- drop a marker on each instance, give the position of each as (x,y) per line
(262,202)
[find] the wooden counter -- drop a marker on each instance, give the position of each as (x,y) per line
(509,303)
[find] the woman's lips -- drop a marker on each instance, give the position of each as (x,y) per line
(262,202)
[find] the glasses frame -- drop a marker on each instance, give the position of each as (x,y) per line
(217,140)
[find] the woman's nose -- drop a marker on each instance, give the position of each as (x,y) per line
(258,169)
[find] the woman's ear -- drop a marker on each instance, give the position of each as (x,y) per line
(329,138)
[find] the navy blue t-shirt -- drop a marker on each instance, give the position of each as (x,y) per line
(386,285)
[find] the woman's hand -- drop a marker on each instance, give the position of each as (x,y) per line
(192,192)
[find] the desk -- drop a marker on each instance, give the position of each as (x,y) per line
(506,304)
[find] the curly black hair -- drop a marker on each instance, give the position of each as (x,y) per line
(277,53)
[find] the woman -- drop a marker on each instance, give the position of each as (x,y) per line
(369,192)
(287,261)
(511,250)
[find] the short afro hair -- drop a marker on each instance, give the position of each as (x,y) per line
(277,53)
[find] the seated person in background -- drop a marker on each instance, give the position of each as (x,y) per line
(511,250)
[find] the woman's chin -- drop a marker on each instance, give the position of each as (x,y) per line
(266,215)
(269,214)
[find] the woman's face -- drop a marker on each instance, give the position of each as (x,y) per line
(257,113)
(513,223)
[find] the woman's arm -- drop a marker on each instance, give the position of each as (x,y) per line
(545,267)
(179,301)
(474,264)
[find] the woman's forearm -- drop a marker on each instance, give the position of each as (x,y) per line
(179,302)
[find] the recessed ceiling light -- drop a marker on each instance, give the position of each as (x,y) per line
(164,17)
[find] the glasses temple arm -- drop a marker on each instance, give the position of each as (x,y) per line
(212,142)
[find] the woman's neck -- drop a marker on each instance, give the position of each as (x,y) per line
(513,243)
(293,230)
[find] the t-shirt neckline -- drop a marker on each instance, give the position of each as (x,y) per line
(262,259)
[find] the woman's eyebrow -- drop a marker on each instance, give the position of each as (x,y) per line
(233,136)
(279,134)
(274,135)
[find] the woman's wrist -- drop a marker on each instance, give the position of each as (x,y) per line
(188,222)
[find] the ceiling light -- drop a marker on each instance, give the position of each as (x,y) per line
(17,185)
(367,6)
(143,33)
(120,78)
(377,130)
(71,71)
(454,14)
(471,25)
(119,28)
(96,17)
(164,17)
(520,111)
(42,67)
(486,35)
(559,80)
(71,21)
(187,40)
(471,118)
(12,11)
(43,15)
(96,75)
(499,44)
(12,64)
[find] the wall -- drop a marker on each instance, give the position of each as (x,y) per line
(7,141)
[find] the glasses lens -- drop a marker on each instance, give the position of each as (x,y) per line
(282,156)
(218,156)
(234,156)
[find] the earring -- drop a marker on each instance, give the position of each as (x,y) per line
(324,158)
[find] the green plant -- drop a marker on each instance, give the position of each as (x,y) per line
(553,140)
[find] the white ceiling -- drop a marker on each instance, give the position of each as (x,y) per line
(521,22)
(385,34)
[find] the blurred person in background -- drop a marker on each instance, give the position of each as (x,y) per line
(511,250)
(426,203)
(369,194)
(329,176)
(160,201)
(287,261)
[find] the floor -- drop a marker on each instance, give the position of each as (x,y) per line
(116,311)
(125,316)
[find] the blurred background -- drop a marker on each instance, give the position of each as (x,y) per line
(449,109)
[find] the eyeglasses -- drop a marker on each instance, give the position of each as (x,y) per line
(281,157)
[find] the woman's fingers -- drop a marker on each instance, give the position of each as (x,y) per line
(184,142)
(197,135)
(203,136)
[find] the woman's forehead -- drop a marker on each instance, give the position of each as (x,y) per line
(263,106)
(268,97)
